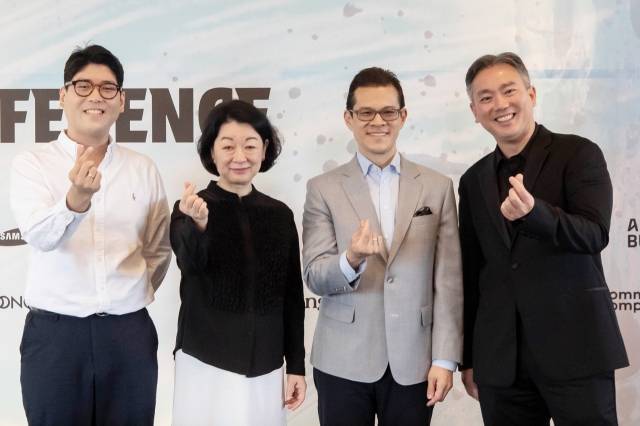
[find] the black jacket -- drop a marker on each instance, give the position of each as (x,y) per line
(241,289)
(550,271)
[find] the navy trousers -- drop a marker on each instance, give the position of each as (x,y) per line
(343,402)
(98,370)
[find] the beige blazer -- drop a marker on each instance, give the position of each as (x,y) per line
(406,308)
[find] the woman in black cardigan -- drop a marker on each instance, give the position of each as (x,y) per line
(242,300)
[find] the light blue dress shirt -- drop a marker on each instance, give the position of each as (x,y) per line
(384,186)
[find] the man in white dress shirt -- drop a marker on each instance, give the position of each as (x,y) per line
(96,218)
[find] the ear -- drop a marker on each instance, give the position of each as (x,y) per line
(532,94)
(348,119)
(403,115)
(122,98)
(63,94)
(473,110)
(264,149)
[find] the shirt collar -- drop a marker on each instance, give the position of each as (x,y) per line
(70,146)
(365,163)
(525,151)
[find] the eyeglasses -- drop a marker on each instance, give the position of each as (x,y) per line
(387,114)
(84,88)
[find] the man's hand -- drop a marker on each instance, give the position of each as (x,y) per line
(363,244)
(85,181)
(519,202)
(192,205)
(469,384)
(296,391)
(440,382)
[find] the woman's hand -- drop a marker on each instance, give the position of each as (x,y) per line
(194,206)
(296,391)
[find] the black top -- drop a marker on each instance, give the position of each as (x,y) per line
(507,167)
(241,288)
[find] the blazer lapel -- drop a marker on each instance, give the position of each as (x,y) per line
(489,186)
(408,197)
(537,157)
(358,194)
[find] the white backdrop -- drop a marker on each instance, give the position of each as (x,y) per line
(582,55)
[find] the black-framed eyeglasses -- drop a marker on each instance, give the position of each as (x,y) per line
(84,88)
(387,114)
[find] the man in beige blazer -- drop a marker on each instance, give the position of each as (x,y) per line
(380,245)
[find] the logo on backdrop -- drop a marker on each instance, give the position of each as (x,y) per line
(312,302)
(12,237)
(626,301)
(633,239)
(163,110)
(10,302)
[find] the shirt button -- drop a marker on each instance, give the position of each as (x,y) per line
(514,266)
(390,280)
(101,288)
(386,207)
(386,237)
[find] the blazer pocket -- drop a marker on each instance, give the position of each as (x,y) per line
(587,290)
(427,314)
(425,220)
(337,310)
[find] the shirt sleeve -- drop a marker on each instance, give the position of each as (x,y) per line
(443,363)
(349,273)
(156,249)
(45,223)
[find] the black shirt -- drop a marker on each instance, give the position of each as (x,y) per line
(507,167)
(241,288)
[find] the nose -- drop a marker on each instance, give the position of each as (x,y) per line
(239,156)
(95,95)
(377,120)
(501,102)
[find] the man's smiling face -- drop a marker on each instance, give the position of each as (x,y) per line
(503,105)
(376,138)
(91,117)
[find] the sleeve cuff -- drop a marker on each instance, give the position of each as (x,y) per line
(349,273)
(443,363)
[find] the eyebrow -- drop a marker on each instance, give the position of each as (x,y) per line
(231,138)
(103,81)
(502,86)
(384,107)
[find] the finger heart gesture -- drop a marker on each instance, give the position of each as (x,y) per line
(363,244)
(194,206)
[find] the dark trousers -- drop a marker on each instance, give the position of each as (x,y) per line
(343,402)
(98,370)
(533,400)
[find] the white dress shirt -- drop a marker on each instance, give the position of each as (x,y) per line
(109,259)
(384,186)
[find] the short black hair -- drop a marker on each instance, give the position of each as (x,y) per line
(374,77)
(240,112)
(92,54)
(488,61)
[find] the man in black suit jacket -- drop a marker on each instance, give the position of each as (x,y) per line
(541,336)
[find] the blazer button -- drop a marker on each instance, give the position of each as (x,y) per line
(390,280)
(250,333)
(514,265)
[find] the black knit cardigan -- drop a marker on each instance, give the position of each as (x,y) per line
(241,289)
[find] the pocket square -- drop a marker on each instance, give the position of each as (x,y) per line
(423,211)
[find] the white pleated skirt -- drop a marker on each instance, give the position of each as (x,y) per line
(206,395)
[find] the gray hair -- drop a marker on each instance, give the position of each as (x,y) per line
(488,61)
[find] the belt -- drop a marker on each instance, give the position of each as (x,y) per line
(44,312)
